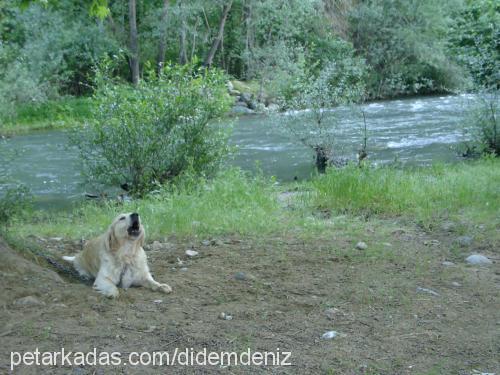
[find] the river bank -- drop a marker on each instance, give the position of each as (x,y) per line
(410,132)
(378,256)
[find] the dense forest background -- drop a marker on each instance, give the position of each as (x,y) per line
(402,47)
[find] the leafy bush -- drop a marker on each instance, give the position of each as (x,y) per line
(314,117)
(46,52)
(13,202)
(404,43)
(483,125)
(141,137)
(474,38)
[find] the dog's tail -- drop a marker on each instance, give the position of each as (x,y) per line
(70,259)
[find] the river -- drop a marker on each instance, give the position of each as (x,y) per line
(413,131)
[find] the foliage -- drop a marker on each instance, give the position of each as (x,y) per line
(314,116)
(482,124)
(47,52)
(142,137)
(474,39)
(14,201)
(405,44)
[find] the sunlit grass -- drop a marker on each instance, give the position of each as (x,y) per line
(422,194)
(231,203)
(235,203)
(54,114)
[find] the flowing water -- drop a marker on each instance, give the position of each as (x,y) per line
(413,131)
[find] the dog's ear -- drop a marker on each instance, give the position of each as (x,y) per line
(111,241)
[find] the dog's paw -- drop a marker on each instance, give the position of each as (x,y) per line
(165,288)
(108,292)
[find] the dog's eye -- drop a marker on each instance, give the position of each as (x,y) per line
(122,218)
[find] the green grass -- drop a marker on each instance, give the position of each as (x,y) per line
(469,190)
(234,203)
(62,113)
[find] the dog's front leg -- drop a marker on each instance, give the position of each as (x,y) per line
(144,278)
(152,284)
(105,283)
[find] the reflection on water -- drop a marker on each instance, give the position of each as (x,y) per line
(413,131)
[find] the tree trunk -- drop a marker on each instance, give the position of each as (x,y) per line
(182,35)
(215,44)
(133,46)
(182,47)
(162,46)
(321,158)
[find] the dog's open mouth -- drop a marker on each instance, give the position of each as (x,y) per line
(134,230)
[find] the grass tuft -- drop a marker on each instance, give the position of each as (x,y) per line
(423,194)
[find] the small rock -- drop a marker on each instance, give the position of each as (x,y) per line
(456,284)
(448,226)
(28,301)
(241,104)
(464,241)
(191,253)
(234,93)
(156,246)
(240,276)
(361,245)
(158,301)
(478,259)
(205,243)
(431,243)
(241,110)
(183,269)
(246,97)
(56,239)
(273,108)
(429,291)
(328,335)
(332,312)
(225,316)
(216,243)
(447,264)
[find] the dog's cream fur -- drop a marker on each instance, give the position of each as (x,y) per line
(116,258)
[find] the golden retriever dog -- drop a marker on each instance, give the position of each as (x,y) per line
(116,258)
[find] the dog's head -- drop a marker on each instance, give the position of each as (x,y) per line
(125,228)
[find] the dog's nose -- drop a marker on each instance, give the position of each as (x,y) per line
(134,217)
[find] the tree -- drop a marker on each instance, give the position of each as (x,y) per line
(133,43)
(160,60)
(314,116)
(405,44)
(217,40)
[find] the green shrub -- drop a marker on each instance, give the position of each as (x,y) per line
(14,202)
(145,136)
(403,42)
(474,38)
(314,118)
(482,124)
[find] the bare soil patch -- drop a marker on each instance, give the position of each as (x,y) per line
(282,293)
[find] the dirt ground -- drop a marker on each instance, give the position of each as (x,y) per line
(282,292)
